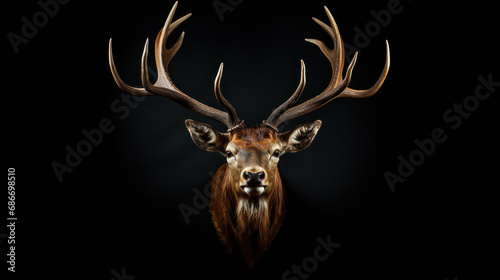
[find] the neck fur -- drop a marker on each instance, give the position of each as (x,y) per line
(246,224)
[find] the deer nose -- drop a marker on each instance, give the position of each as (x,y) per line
(254,178)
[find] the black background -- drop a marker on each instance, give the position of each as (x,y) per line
(119,207)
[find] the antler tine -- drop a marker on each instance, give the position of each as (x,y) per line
(121,84)
(355,93)
(233,117)
(335,55)
(163,56)
(146,83)
(337,87)
(164,85)
(291,101)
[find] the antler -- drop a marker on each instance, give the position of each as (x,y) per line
(336,88)
(164,85)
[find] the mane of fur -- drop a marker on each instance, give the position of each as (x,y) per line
(246,225)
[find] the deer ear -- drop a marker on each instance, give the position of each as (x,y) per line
(300,137)
(207,138)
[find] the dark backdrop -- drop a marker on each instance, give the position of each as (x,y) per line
(116,215)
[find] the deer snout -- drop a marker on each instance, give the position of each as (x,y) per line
(254,182)
(254,178)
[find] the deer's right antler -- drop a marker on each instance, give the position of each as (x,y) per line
(164,85)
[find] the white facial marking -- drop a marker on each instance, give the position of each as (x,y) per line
(254,191)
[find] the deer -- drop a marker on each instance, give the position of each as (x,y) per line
(247,193)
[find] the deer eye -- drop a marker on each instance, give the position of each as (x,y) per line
(229,154)
(276,153)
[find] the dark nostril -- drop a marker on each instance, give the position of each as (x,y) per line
(246,176)
(260,175)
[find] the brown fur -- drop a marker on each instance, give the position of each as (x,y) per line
(247,225)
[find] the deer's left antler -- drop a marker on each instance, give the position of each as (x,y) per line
(338,86)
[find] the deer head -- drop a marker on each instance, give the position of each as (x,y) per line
(247,203)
